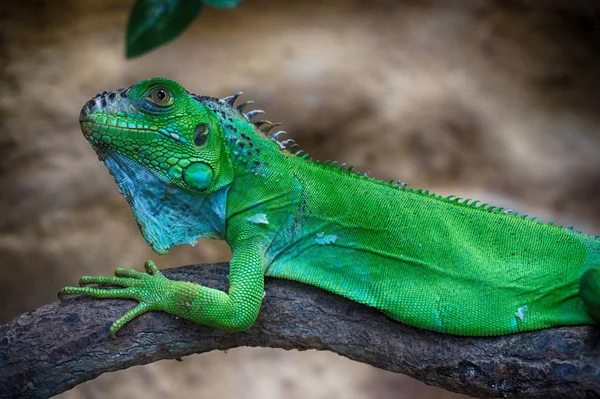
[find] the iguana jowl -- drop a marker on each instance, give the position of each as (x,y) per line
(193,166)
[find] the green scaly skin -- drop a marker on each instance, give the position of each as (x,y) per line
(195,166)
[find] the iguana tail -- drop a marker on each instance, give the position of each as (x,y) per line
(589,287)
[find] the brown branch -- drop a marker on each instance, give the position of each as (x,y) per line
(58,346)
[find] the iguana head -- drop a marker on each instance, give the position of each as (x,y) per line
(165,129)
(166,149)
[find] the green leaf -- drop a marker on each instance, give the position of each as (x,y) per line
(155,22)
(222,3)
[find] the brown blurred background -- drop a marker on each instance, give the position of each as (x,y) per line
(495,100)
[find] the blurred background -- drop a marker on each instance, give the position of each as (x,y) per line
(494,100)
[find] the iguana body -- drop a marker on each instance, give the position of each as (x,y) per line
(195,167)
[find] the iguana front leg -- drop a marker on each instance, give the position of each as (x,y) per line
(236,310)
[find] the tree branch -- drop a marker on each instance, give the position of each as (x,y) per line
(54,348)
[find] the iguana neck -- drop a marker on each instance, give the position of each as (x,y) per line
(250,150)
(167,215)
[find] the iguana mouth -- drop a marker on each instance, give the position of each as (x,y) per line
(87,127)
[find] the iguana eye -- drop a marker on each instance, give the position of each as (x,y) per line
(160,96)
(200,135)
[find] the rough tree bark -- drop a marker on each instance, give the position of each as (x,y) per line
(54,348)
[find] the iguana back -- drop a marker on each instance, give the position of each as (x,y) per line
(441,264)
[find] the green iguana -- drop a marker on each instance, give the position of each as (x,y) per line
(193,166)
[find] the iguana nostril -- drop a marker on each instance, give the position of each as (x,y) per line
(83,114)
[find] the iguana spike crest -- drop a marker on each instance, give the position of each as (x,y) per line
(241,107)
(230,100)
(250,114)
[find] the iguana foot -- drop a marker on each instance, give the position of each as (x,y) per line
(152,289)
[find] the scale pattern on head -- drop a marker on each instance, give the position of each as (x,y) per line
(159,125)
(174,155)
(166,150)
